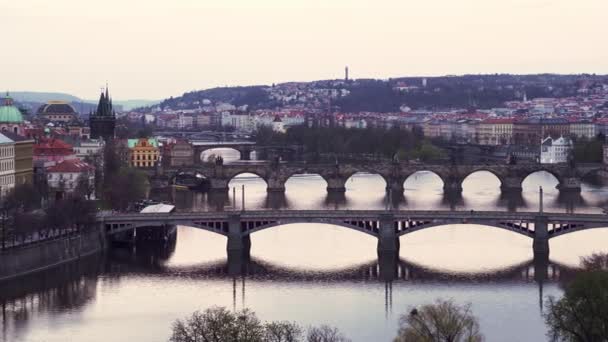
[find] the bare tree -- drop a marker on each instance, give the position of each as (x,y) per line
(217,324)
(282,332)
(443,321)
(325,333)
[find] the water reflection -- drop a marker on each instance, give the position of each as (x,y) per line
(56,291)
(512,201)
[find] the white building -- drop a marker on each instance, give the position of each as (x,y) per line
(240,122)
(7,165)
(63,177)
(554,151)
(92,147)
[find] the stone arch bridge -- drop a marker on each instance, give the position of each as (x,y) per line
(276,174)
(386,226)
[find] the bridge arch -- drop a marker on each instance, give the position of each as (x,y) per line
(370,227)
(594,172)
(376,175)
(432,176)
(229,153)
(515,227)
(313,177)
(487,172)
(233,176)
(525,180)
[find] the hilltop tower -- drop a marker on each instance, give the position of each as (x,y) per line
(103,120)
(346,73)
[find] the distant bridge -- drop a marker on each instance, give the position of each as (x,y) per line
(394,173)
(386,226)
(245,148)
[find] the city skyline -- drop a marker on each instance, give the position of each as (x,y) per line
(145,50)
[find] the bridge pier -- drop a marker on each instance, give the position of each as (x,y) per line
(336,184)
(388,248)
(245,153)
(395,185)
(275,185)
(218,184)
(540,245)
(511,184)
(452,185)
(569,184)
(237,244)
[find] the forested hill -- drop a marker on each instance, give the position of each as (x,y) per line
(253,96)
(467,91)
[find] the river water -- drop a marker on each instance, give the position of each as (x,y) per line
(312,273)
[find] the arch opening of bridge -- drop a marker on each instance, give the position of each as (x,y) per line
(490,179)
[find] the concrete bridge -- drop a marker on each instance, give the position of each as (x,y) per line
(386,226)
(276,174)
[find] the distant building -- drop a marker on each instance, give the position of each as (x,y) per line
(63,177)
(583,129)
(180,154)
(495,131)
(11,119)
(103,120)
(88,148)
(531,131)
(52,151)
(7,165)
(555,151)
(57,111)
(24,158)
(143,153)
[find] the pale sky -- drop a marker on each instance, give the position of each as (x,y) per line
(157,48)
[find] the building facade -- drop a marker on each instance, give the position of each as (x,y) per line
(143,153)
(24,158)
(495,131)
(7,165)
(180,154)
(555,151)
(584,129)
(63,177)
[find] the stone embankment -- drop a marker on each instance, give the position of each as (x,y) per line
(35,257)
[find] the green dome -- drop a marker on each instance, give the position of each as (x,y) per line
(9,113)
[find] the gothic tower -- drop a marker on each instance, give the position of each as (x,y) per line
(103,120)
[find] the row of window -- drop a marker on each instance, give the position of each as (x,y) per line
(145,157)
(7,165)
(7,180)
(143,164)
(7,151)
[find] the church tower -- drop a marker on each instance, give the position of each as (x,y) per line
(103,120)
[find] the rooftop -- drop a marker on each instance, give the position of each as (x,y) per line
(71,165)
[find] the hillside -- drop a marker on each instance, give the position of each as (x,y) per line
(393,94)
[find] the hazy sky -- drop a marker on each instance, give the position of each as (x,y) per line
(157,48)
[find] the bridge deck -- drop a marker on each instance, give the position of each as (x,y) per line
(332,214)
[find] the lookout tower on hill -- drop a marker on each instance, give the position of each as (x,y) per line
(103,120)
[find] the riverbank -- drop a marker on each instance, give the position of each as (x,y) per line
(44,255)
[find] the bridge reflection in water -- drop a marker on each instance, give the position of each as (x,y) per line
(240,270)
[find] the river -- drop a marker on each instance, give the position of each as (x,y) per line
(312,273)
